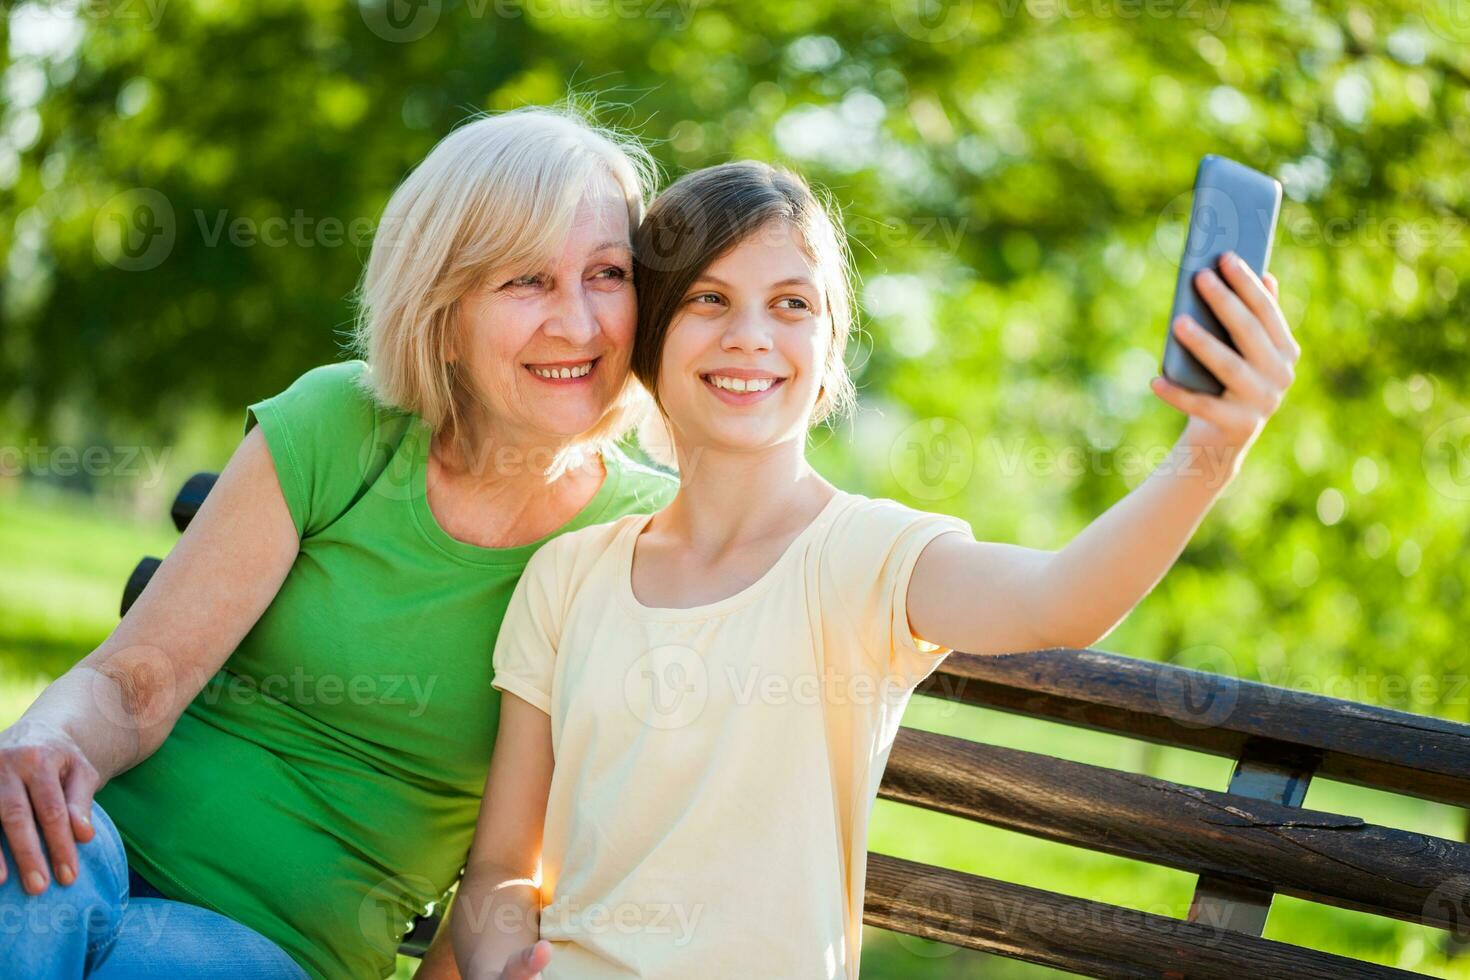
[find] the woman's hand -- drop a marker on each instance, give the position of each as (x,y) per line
(528,963)
(1255,378)
(46,784)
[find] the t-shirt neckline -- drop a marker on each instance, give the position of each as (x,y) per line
(730,602)
(419,443)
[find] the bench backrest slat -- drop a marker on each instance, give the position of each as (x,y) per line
(1416,755)
(1323,857)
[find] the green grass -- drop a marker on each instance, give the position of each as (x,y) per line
(66,561)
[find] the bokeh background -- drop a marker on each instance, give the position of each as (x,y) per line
(188,190)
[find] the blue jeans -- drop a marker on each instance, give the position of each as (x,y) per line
(108,927)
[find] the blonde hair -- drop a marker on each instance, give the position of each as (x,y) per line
(500,190)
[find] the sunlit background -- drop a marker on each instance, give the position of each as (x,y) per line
(188,190)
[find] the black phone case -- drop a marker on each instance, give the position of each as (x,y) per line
(1234,209)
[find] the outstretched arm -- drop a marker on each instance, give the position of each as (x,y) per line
(983,597)
(495,916)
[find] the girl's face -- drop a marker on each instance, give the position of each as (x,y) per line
(548,348)
(743,358)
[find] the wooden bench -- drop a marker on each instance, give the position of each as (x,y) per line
(1246,843)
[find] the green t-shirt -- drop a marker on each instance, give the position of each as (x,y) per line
(323,787)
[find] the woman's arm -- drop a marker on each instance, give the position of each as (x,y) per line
(115,707)
(982,597)
(496,912)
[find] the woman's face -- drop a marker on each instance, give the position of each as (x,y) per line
(743,358)
(548,348)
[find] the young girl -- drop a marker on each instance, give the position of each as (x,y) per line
(699,704)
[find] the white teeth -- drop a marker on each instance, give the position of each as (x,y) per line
(572,372)
(741,384)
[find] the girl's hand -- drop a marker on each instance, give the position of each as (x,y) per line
(528,963)
(1255,378)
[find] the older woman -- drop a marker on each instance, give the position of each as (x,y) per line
(288,734)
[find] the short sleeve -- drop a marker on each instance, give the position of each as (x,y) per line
(525,650)
(327,440)
(867,562)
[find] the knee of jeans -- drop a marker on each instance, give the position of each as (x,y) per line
(90,907)
(101,873)
(102,858)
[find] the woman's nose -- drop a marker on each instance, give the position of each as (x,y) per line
(573,319)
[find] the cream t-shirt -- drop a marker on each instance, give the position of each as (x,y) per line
(716,766)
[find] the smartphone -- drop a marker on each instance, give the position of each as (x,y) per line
(1234,210)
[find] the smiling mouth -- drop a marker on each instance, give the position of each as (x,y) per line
(564,372)
(741,390)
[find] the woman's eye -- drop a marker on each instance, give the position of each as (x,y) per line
(533,279)
(614,272)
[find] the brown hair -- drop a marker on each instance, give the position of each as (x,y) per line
(704,215)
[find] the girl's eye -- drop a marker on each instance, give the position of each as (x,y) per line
(705,298)
(801,304)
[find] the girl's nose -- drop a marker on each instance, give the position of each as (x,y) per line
(747,332)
